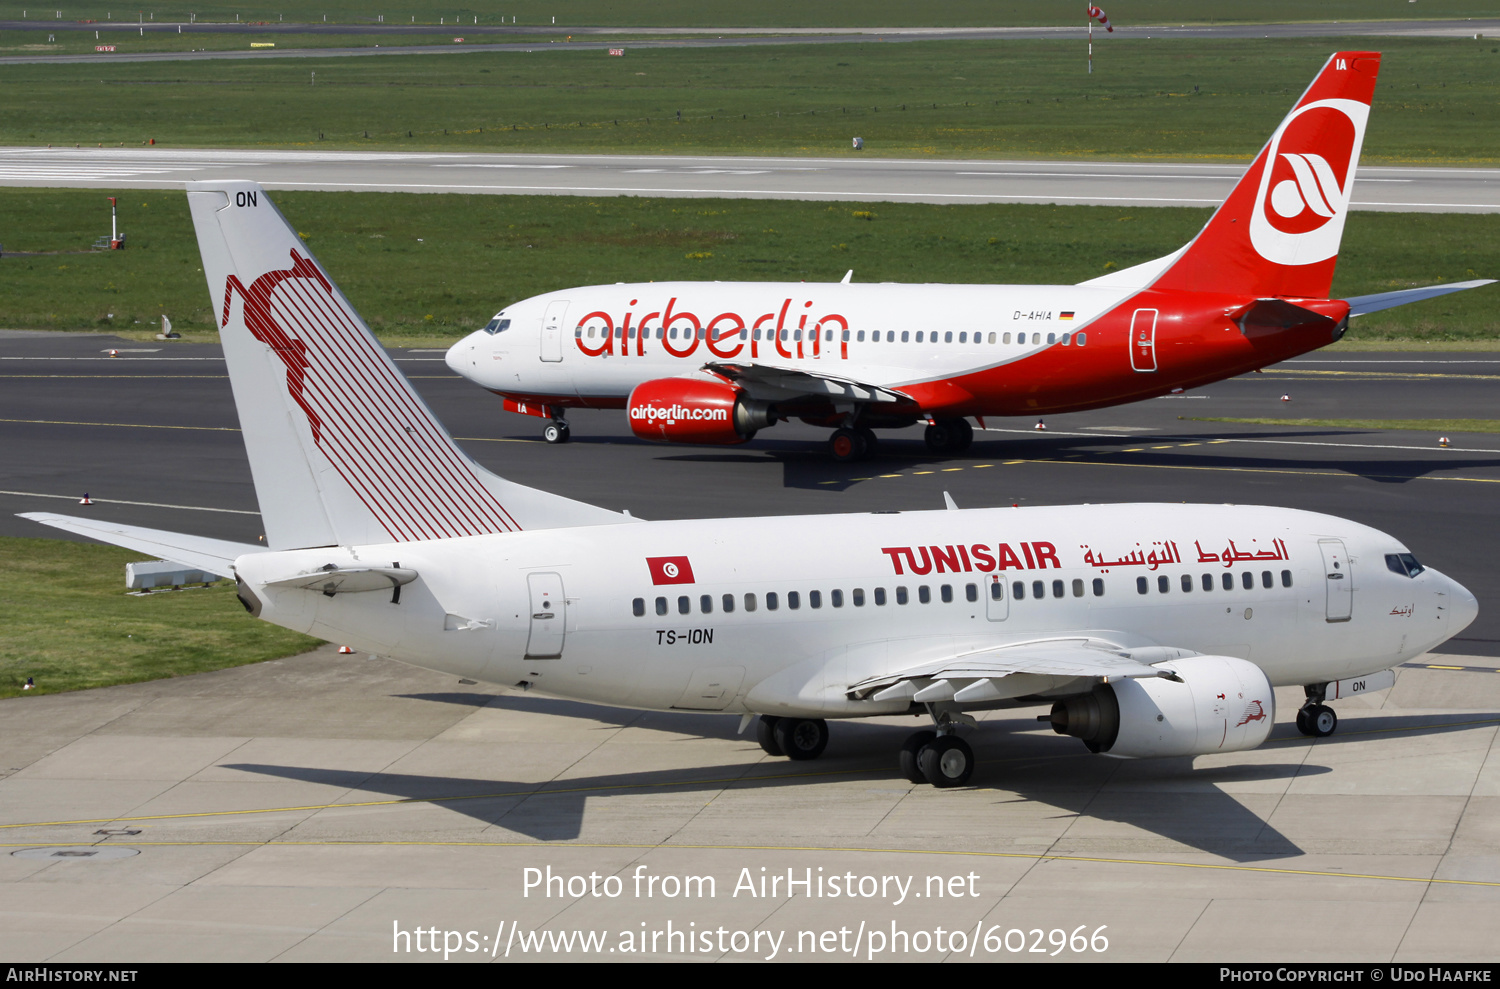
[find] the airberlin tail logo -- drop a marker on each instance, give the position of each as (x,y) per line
(1308,176)
(670,569)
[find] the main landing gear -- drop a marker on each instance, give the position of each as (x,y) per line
(796,738)
(938,756)
(949,435)
(852,444)
(556,431)
(1316,718)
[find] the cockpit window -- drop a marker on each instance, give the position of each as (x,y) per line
(497,325)
(1403,563)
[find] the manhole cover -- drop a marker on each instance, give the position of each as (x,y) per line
(85,853)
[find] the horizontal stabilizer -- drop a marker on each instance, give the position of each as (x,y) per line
(331,580)
(216,556)
(1362,304)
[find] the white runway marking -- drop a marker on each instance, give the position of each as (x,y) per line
(115,501)
(1220,439)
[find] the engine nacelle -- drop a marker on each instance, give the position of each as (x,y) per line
(1222,704)
(695,410)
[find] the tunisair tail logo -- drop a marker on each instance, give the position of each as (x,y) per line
(1308,176)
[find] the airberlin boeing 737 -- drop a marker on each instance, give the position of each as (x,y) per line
(713,362)
(1151,630)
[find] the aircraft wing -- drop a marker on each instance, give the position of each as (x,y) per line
(215,556)
(1015,670)
(1361,304)
(764,381)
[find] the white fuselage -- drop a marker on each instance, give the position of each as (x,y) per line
(576,612)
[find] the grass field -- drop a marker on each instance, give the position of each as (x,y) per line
(777,13)
(128,41)
(431,268)
(69,623)
(1438,100)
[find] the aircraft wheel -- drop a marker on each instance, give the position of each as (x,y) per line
(946,761)
(846,445)
(870,441)
(909,749)
(555,432)
(938,436)
(1322,721)
(765,734)
(1302,722)
(801,738)
(962,435)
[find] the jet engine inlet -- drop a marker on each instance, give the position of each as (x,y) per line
(1094,718)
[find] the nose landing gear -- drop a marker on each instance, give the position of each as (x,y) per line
(1316,718)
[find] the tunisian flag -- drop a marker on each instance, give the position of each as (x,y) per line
(1096,14)
(670,569)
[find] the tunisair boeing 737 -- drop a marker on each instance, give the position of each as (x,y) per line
(1150,630)
(711,362)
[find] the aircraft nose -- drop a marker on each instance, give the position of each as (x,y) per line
(459,356)
(1463,607)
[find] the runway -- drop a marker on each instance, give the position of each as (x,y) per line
(699,37)
(312,808)
(1411,189)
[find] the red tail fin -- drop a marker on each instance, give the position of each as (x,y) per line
(1278,232)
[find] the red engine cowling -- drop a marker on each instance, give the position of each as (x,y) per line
(694,410)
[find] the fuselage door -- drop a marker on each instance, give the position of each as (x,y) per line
(552,330)
(996,604)
(1143,340)
(548,616)
(1339,580)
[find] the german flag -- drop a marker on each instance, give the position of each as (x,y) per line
(1065,317)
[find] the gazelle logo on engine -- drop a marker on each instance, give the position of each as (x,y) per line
(1303,197)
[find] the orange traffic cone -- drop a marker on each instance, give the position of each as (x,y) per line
(1286,398)
(85,500)
(1442,441)
(345,651)
(114,353)
(1040,424)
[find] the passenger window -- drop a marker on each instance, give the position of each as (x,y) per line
(661,606)
(1226,581)
(1081,339)
(728,604)
(880,596)
(919,336)
(1065,338)
(971,592)
(1057,589)
(1020,338)
(1266,580)
(638,607)
(684,605)
(900,595)
(997,590)
(1286,578)
(1142,585)
(1018,590)
(1038,589)
(706,604)
(1208,582)
(1077,588)
(964,338)
(992,338)
(858,594)
(924,594)
(905,335)
(749,602)
(836,598)
(1247,580)
(947,593)
(948,337)
(772,601)
(1005,339)
(1051,338)
(815,599)
(1099,587)
(860,338)
(1187,581)
(1163,585)
(793,600)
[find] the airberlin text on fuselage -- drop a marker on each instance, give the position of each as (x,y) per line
(791,334)
(967,559)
